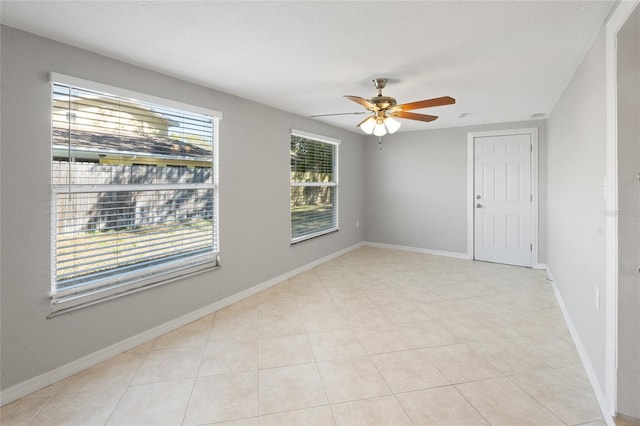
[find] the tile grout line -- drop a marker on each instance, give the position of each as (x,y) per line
(471,404)
(195,379)
(324,387)
(393,393)
(126,388)
(37,411)
(509,377)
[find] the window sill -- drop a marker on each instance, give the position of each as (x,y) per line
(75,302)
(312,236)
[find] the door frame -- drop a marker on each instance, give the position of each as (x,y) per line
(617,19)
(533,133)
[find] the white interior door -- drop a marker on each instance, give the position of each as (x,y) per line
(503,199)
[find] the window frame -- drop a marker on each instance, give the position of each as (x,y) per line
(102,289)
(334,184)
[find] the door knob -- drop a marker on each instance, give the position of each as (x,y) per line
(478,205)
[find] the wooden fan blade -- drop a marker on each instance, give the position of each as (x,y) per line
(414,116)
(427,103)
(339,113)
(362,101)
(360,123)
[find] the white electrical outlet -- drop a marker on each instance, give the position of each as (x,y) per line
(597,298)
(357,224)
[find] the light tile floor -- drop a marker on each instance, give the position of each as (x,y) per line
(374,337)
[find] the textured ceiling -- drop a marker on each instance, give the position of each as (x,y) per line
(502,61)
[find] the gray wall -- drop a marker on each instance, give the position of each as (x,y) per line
(576,169)
(254,207)
(628,44)
(416,187)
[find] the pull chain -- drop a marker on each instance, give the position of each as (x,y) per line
(380,143)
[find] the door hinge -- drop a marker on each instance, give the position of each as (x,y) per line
(531,197)
(531,247)
(530,148)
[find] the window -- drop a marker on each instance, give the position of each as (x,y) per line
(134,191)
(314,185)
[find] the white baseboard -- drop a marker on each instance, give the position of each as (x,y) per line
(582,353)
(34,384)
(457,255)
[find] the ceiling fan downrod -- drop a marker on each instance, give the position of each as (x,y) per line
(379,84)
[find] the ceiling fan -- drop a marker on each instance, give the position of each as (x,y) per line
(385,108)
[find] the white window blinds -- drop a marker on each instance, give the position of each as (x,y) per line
(314,185)
(134,194)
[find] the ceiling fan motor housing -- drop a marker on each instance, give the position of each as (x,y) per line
(383,102)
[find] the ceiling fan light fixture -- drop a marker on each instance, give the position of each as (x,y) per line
(368,125)
(380,129)
(392,125)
